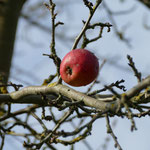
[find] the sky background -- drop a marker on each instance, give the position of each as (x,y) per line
(30,67)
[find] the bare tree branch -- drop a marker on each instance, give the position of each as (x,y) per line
(33,95)
(98,2)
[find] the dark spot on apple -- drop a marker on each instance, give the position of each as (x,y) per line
(69,70)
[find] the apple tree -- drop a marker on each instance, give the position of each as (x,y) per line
(65,115)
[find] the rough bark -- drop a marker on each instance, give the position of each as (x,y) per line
(9,14)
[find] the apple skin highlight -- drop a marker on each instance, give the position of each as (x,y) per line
(79,67)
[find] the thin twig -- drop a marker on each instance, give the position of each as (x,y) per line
(47,138)
(130,115)
(132,65)
(19,112)
(39,120)
(98,2)
(110,131)
(116,84)
(3,140)
(53,55)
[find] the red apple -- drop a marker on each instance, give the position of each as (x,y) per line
(79,67)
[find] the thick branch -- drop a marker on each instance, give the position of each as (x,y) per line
(9,14)
(138,88)
(34,94)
